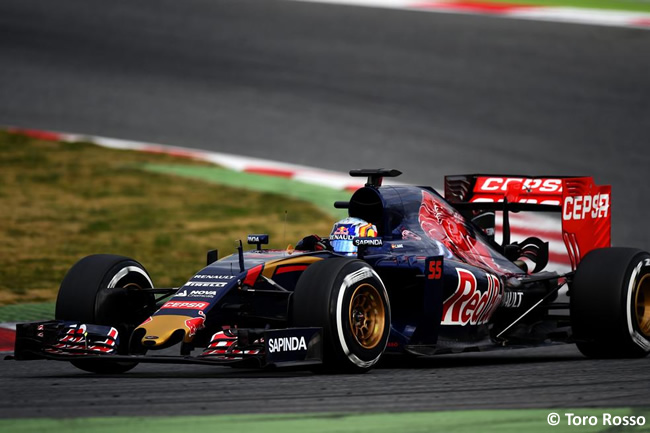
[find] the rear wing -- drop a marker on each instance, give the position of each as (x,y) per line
(584,206)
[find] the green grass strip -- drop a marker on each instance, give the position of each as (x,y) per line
(322,197)
(615,5)
(479,421)
(27,312)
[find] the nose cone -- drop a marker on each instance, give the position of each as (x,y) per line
(163,331)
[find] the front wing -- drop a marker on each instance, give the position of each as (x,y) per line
(256,348)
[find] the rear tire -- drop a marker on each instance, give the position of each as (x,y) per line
(348,300)
(610,303)
(91,292)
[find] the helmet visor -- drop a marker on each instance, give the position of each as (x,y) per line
(343,246)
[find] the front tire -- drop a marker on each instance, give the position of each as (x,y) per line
(348,300)
(92,292)
(610,303)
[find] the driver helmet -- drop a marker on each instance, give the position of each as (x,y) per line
(347,229)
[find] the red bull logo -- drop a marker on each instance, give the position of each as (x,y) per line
(342,230)
(343,233)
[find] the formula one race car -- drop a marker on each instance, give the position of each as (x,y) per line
(409,272)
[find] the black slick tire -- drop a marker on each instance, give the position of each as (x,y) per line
(93,292)
(610,303)
(348,300)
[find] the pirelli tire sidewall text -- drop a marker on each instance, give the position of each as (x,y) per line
(323,298)
(604,299)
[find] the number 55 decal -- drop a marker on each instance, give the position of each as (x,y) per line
(434,268)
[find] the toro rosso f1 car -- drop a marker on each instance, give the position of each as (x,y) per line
(426,276)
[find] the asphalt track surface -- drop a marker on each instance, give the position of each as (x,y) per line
(338,88)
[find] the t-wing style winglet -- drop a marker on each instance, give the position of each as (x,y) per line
(375,175)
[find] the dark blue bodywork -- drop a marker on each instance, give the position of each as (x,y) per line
(421,233)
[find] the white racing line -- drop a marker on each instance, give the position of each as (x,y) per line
(601,17)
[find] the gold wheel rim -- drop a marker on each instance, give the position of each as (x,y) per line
(367,316)
(642,305)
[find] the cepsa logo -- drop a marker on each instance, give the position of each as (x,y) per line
(185,305)
(532,190)
(468,305)
(581,207)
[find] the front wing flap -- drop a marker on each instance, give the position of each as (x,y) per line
(70,339)
(257,348)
